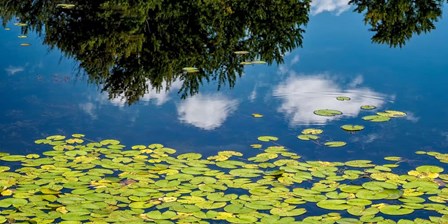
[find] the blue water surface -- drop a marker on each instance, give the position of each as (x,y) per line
(44,94)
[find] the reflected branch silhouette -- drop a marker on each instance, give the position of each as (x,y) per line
(127,47)
(396,21)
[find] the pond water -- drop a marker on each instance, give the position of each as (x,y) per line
(46,92)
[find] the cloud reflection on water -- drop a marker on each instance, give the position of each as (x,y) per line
(207,112)
(301,95)
(338,6)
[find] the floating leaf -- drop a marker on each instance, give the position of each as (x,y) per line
(189,156)
(308,137)
(429,169)
(65,6)
(241,52)
(333,204)
(350,127)
(190,70)
(395,113)
(242,218)
(312,131)
(335,144)
(392,158)
(157,215)
(376,118)
(237,208)
(343,98)
(288,211)
(327,112)
(267,138)
(395,210)
(368,107)
(13,158)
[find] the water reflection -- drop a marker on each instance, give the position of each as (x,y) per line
(303,94)
(337,6)
(207,112)
(151,95)
(128,47)
(134,49)
(395,22)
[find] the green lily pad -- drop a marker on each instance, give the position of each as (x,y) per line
(362,211)
(350,127)
(241,52)
(327,112)
(333,204)
(371,195)
(189,156)
(395,210)
(190,69)
(13,158)
(73,216)
(288,211)
(335,144)
(308,137)
(312,131)
(237,208)
(267,138)
(157,215)
(376,118)
(368,107)
(16,202)
(343,98)
(359,163)
(242,218)
(429,169)
(246,172)
(395,113)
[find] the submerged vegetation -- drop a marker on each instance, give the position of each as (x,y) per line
(79,180)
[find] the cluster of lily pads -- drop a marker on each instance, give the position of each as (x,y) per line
(312,134)
(20,24)
(82,181)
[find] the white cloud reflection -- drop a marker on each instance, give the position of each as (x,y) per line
(207,112)
(11,70)
(159,98)
(337,6)
(89,108)
(301,95)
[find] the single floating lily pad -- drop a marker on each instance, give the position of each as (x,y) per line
(335,144)
(368,107)
(350,127)
(267,138)
(343,98)
(190,70)
(429,169)
(308,137)
(312,131)
(66,6)
(395,210)
(376,118)
(241,52)
(327,112)
(395,113)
